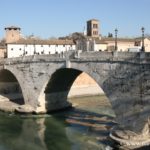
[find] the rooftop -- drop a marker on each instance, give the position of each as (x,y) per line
(43,42)
(118,39)
(93,20)
(13,27)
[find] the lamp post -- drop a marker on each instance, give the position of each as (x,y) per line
(143,47)
(116,47)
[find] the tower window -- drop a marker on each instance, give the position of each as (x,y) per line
(95,33)
(95,26)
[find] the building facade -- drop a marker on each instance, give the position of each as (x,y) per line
(123,44)
(17,46)
(138,42)
(27,47)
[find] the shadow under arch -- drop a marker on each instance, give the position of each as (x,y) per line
(10,89)
(58,88)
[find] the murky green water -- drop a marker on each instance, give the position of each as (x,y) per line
(83,128)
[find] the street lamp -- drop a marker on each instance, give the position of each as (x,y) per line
(116,31)
(143,47)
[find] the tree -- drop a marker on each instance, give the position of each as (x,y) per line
(110,34)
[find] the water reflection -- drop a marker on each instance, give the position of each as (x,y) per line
(17,133)
(73,130)
(77,129)
(55,135)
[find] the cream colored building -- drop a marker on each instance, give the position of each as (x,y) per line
(138,42)
(123,44)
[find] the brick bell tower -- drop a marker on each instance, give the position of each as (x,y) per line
(93,28)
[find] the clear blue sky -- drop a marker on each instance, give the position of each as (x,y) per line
(47,18)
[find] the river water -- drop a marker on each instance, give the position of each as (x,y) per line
(85,127)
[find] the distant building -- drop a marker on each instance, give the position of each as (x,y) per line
(17,46)
(89,44)
(93,28)
(123,44)
(138,42)
(26,47)
(12,34)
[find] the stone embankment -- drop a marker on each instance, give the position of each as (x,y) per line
(131,140)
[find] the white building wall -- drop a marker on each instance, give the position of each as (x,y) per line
(15,50)
(19,50)
(100,47)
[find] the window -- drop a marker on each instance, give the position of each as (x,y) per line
(12,49)
(41,45)
(95,26)
(42,52)
(95,33)
(20,49)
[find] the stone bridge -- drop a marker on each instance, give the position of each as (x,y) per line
(44,81)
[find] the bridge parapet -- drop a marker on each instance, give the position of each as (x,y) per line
(132,57)
(32,59)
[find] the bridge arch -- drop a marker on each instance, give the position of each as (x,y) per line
(55,91)
(10,89)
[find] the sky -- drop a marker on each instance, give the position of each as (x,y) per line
(56,18)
